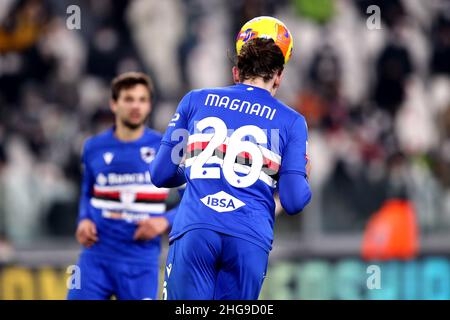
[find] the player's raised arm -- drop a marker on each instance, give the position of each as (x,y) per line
(166,169)
(294,189)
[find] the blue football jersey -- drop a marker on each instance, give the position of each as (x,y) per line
(235,142)
(117,192)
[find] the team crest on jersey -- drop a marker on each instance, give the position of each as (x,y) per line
(148,154)
(222,202)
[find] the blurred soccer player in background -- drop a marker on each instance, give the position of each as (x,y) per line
(242,146)
(122,214)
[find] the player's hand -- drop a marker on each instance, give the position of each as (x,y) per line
(86,233)
(308,167)
(278,206)
(151,228)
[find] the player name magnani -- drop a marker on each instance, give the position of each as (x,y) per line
(243,106)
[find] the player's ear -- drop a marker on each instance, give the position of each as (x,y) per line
(236,75)
(112,105)
(277,80)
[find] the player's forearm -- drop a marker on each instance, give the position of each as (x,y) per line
(164,172)
(295,192)
(177,180)
(84,212)
(85,199)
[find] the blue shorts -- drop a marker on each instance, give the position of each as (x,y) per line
(208,265)
(101,278)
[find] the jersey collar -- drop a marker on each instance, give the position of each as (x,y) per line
(251,88)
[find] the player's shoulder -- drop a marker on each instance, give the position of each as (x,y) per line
(153,135)
(98,139)
(290,115)
(203,92)
(196,97)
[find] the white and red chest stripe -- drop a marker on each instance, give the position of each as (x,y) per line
(144,198)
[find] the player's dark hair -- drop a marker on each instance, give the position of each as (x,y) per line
(259,58)
(128,80)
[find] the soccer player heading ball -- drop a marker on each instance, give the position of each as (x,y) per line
(235,147)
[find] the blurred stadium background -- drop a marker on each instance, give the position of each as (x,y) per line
(377,104)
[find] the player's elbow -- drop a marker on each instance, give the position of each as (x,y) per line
(157,183)
(295,204)
(167,177)
(157,179)
(295,193)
